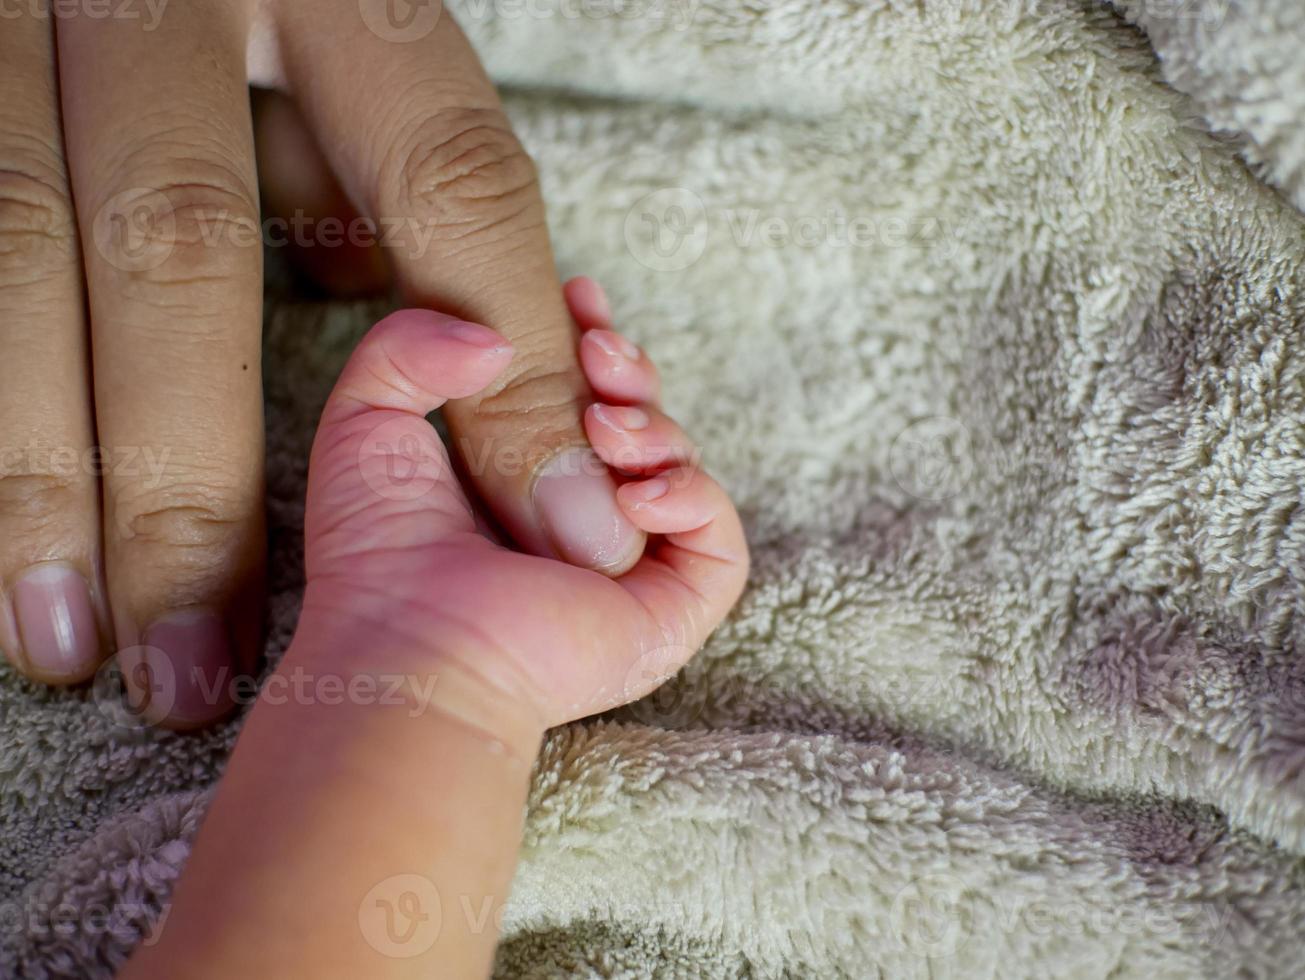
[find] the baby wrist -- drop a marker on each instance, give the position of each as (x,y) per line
(452,684)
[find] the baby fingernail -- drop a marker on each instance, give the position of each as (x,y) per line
(621,418)
(604,305)
(56,622)
(189,661)
(638,495)
(475,335)
(611,342)
(575,498)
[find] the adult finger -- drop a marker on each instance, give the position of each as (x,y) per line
(161,154)
(308,216)
(54,628)
(426,149)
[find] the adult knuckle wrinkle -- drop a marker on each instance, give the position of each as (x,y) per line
(183,518)
(36,222)
(535,391)
(467,170)
(204,229)
(37,499)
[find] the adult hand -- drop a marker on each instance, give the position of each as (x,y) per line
(130,304)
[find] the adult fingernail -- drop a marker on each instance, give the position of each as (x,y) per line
(575,498)
(612,343)
(56,622)
(189,658)
(621,418)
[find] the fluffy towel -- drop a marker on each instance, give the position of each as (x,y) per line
(1000,351)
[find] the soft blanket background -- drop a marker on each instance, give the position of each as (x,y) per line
(981,312)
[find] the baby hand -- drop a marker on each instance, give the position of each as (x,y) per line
(401,581)
(399,571)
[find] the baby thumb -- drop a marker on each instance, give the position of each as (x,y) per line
(379,477)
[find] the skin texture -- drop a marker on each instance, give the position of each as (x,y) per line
(131,484)
(363,808)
